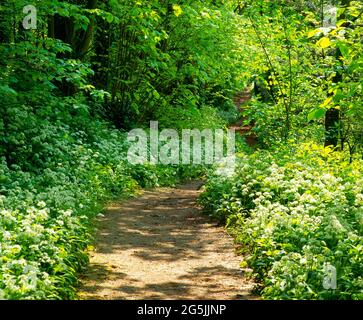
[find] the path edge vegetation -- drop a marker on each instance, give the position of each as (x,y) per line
(92,70)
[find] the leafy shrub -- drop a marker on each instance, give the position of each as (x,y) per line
(57,169)
(190,118)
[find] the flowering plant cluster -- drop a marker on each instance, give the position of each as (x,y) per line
(49,197)
(294,212)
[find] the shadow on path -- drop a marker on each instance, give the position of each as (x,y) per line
(160,246)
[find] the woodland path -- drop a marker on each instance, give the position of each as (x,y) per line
(161,246)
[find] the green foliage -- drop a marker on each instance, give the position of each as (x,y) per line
(65,166)
(163,55)
(293,211)
(60,161)
(303,69)
(190,117)
(92,69)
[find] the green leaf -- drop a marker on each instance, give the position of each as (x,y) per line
(313,33)
(324,43)
(316,114)
(326,102)
(109,18)
(156,94)
(177,10)
(343,49)
(4,89)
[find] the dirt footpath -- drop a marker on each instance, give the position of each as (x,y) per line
(160,246)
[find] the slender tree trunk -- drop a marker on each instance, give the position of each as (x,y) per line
(332,120)
(63,28)
(332,116)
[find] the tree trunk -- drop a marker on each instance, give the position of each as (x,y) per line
(332,116)
(332,125)
(63,28)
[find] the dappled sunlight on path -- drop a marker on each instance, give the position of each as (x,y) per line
(160,246)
